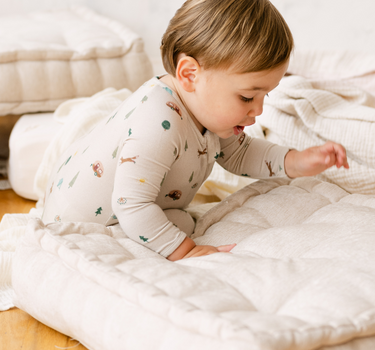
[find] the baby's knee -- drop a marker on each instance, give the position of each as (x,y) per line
(181,219)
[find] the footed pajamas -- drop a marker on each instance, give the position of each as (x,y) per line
(142,166)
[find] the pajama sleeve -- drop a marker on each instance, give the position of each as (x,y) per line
(252,157)
(146,155)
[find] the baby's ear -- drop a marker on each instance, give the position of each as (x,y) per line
(186,73)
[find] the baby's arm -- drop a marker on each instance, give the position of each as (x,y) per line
(314,160)
(188,249)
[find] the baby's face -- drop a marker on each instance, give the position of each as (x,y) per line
(225,103)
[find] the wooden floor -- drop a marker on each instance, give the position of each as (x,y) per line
(18,330)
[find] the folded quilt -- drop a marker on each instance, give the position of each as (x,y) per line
(302,113)
(300,277)
(50,56)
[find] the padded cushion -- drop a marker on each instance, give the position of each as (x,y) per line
(49,57)
(300,277)
(29,139)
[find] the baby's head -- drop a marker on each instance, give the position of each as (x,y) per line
(242,36)
(223,57)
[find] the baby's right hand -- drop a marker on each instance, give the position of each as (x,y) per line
(188,249)
(201,250)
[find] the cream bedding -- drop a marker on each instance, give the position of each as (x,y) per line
(302,113)
(300,277)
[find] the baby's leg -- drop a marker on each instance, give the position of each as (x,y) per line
(181,219)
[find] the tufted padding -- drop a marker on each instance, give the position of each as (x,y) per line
(301,277)
(49,57)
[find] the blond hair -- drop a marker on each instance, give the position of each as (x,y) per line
(242,35)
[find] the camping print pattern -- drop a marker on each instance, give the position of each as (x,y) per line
(175,195)
(98,211)
(202,153)
(168,90)
(175,108)
(71,183)
(166,125)
(60,183)
(269,166)
(129,114)
(98,168)
(111,118)
(122,201)
(65,163)
(126,160)
(219,155)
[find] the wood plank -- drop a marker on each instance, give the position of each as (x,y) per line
(18,330)
(12,203)
(21,331)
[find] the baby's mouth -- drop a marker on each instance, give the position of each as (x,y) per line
(238,129)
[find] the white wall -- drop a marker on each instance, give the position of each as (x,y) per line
(325,24)
(331,24)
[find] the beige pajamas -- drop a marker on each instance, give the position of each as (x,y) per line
(143,165)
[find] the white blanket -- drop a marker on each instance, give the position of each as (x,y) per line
(300,277)
(302,113)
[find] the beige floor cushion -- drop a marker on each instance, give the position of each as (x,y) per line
(49,57)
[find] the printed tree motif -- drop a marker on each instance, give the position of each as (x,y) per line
(195,185)
(166,125)
(280,168)
(130,132)
(129,114)
(168,90)
(219,155)
(186,146)
(111,118)
(60,183)
(162,181)
(191,177)
(71,183)
(114,154)
(144,239)
(98,211)
(85,149)
(144,99)
(60,167)
(65,163)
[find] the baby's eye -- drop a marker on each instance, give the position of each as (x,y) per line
(247,100)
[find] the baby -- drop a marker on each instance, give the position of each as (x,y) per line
(141,166)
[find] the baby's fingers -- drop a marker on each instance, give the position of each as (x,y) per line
(336,155)
(226,248)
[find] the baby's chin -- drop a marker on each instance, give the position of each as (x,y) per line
(227,134)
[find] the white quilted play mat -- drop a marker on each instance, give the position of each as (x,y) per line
(301,276)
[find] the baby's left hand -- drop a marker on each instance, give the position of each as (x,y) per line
(314,160)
